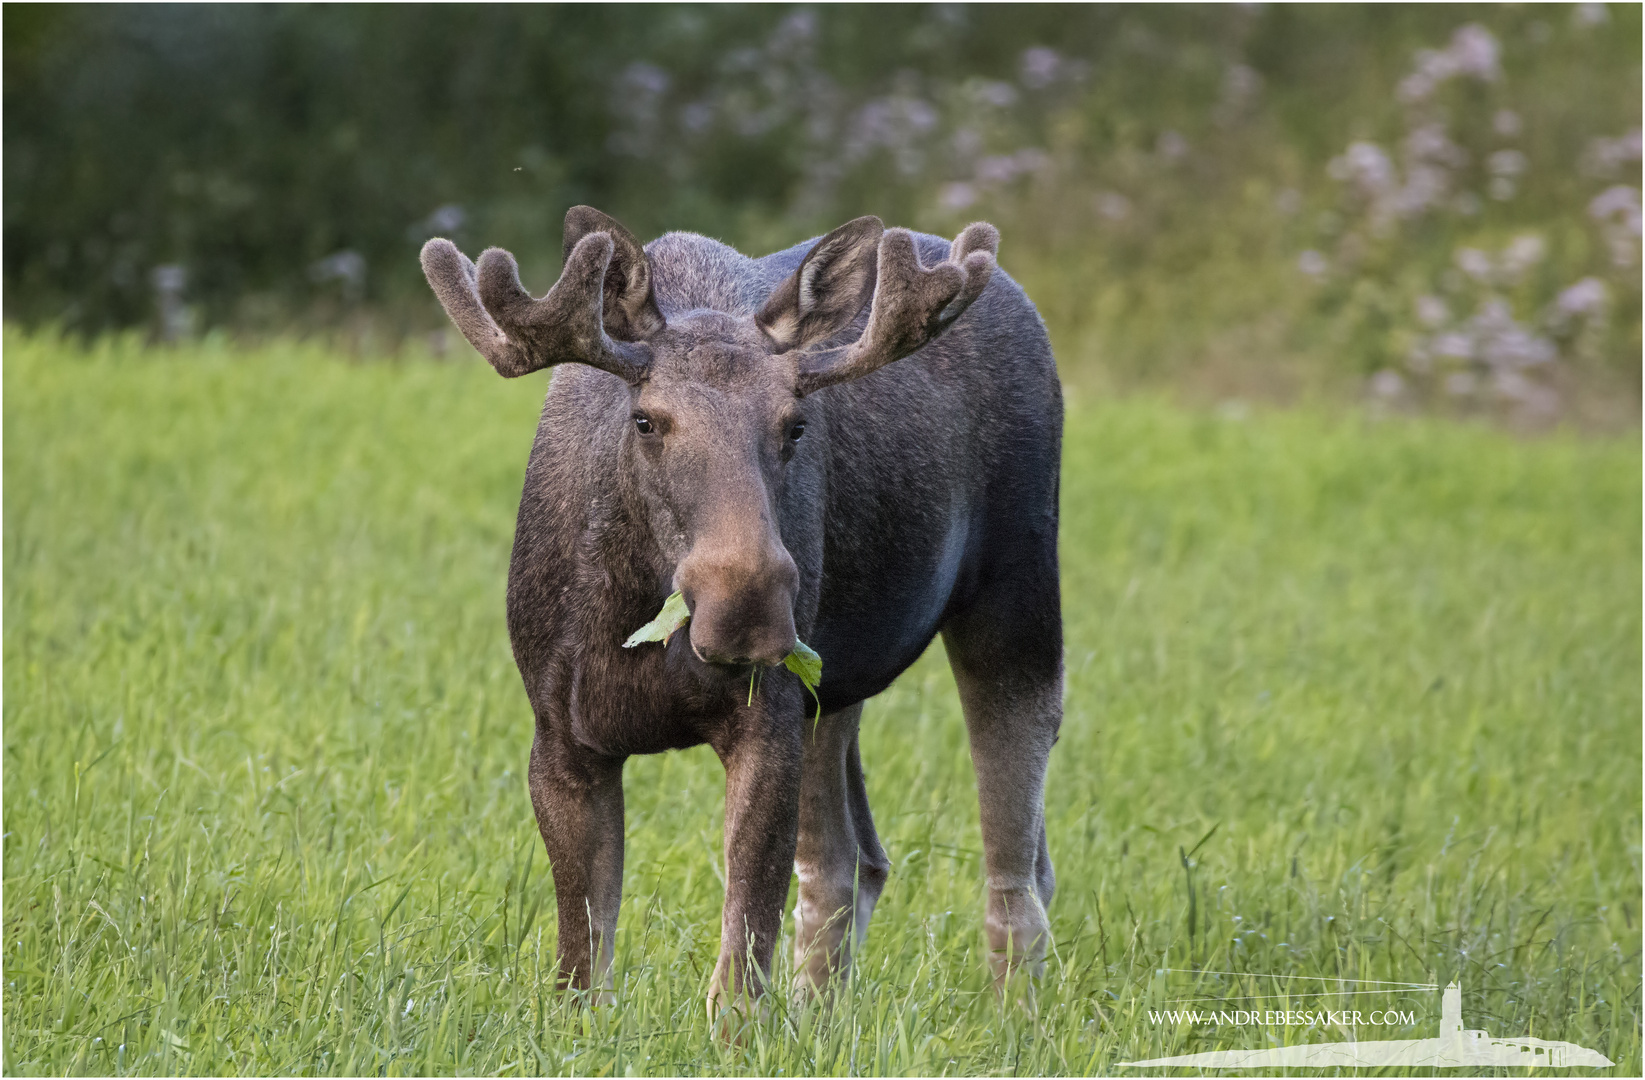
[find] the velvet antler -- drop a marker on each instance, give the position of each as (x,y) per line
(518,334)
(912,303)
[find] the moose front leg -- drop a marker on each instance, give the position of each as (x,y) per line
(762,798)
(578,798)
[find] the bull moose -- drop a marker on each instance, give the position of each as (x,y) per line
(855,443)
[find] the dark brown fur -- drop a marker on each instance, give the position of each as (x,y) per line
(920,498)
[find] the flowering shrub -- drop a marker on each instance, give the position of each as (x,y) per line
(1439,266)
(1493,323)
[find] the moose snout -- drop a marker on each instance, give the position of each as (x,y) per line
(742,605)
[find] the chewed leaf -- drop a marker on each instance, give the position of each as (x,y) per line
(673,616)
(803,661)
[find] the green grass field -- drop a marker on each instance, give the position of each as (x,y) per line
(1346,698)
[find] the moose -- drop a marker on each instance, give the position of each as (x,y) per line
(853,443)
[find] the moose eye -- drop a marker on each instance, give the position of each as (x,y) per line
(796,430)
(643,422)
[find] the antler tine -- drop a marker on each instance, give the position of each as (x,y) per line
(912,303)
(519,335)
(452,276)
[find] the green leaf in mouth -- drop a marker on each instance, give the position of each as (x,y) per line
(802,659)
(673,616)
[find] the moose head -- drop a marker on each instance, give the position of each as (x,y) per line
(718,402)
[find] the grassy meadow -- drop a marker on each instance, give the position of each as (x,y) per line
(1350,698)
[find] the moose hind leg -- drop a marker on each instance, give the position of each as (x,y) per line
(839,862)
(1007,663)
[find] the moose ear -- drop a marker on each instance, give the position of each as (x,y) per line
(630,305)
(831,286)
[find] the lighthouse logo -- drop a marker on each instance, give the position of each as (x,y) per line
(1456,1047)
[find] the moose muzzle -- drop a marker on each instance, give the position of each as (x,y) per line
(741,598)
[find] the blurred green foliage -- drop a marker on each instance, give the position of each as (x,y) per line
(1163,175)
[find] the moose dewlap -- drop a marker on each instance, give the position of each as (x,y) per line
(854,442)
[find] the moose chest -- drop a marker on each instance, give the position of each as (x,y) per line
(620,702)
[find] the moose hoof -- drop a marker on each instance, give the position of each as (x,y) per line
(1018,933)
(731,1014)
